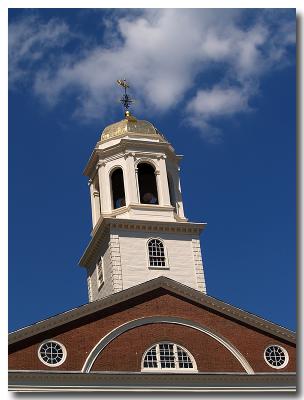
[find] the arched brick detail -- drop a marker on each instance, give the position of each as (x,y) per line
(125,352)
(104,341)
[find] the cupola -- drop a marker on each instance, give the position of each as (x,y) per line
(139,227)
(132,127)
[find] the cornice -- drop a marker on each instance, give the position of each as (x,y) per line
(186,228)
(134,206)
(68,381)
(91,164)
(130,146)
(137,136)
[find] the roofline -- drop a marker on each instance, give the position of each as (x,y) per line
(68,381)
(138,290)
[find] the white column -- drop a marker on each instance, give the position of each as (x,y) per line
(131,181)
(158,186)
(104,187)
(92,202)
(179,200)
(163,182)
(96,205)
(95,199)
(137,185)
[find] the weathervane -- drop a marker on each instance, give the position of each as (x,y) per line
(126,99)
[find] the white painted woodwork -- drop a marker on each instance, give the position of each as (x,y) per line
(125,254)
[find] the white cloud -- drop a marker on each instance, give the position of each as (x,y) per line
(218,102)
(29,40)
(162,52)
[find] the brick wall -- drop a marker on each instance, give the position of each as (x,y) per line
(79,337)
(126,351)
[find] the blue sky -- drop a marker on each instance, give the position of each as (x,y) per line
(220,84)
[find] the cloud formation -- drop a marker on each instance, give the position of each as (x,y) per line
(28,42)
(164,53)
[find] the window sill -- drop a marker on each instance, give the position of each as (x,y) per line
(159,268)
(170,370)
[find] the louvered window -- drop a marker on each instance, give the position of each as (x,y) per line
(100,273)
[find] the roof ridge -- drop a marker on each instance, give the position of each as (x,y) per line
(145,287)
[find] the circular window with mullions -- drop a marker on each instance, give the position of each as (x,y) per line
(52,353)
(276,356)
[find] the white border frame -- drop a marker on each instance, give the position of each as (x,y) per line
(177,369)
(63,350)
(285,353)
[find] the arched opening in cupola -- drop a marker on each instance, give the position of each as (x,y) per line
(147,184)
(118,188)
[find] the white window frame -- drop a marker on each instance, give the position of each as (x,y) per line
(285,354)
(100,272)
(63,351)
(157,267)
(177,368)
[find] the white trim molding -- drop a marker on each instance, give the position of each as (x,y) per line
(168,320)
(146,160)
(68,381)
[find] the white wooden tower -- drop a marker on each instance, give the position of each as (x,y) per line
(139,228)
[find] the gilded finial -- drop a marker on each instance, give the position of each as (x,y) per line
(129,116)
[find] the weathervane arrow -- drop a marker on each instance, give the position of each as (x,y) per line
(126,99)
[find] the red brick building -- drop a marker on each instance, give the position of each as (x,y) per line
(149,324)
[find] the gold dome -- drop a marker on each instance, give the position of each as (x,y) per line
(130,125)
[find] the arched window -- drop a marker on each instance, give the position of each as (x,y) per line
(118,188)
(147,184)
(168,357)
(157,256)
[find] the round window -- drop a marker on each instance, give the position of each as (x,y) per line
(276,356)
(52,353)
